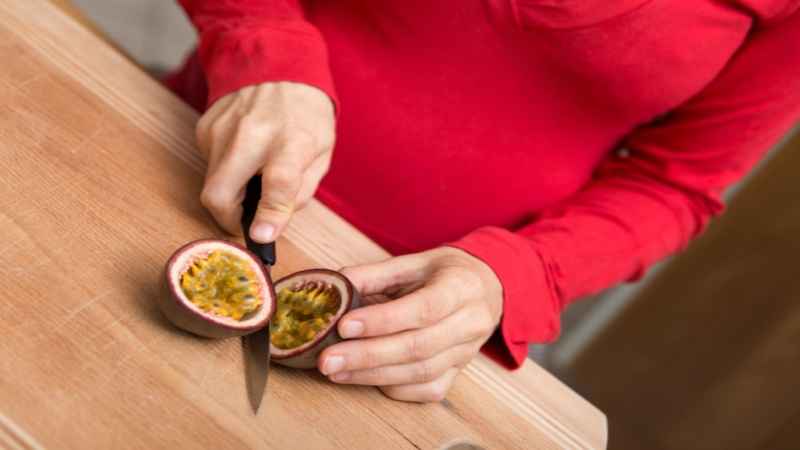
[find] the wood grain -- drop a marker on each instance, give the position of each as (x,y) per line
(99,183)
(708,354)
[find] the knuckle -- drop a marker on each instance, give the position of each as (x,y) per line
(302,203)
(304,138)
(466,284)
(212,199)
(435,393)
(383,320)
(374,375)
(485,327)
(283,178)
(423,372)
(417,347)
(368,360)
(471,281)
(216,130)
(392,392)
(481,329)
(459,287)
(431,310)
(426,311)
(252,126)
(482,322)
(465,355)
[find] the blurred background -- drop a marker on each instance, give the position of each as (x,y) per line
(155,33)
(704,353)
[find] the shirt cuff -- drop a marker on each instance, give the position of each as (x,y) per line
(255,54)
(531,305)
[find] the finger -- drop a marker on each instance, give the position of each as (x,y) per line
(377,278)
(422,308)
(430,392)
(312,178)
(204,131)
(220,136)
(414,373)
(224,206)
(280,183)
(223,191)
(375,299)
(401,348)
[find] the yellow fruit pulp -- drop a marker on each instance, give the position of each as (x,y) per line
(303,312)
(222,284)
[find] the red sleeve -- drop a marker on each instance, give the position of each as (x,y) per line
(648,201)
(247,42)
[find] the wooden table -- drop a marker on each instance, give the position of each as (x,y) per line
(99,183)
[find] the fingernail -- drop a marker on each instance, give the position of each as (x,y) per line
(339,377)
(262,232)
(333,365)
(351,329)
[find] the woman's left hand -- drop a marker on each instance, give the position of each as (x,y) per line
(431,313)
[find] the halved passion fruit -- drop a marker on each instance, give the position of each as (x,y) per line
(216,288)
(309,305)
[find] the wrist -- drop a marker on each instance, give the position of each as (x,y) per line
(531,302)
(490,284)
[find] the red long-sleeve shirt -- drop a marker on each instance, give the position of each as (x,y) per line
(495,125)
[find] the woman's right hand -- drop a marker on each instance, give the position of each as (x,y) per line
(283,130)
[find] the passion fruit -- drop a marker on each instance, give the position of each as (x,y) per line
(309,306)
(217,289)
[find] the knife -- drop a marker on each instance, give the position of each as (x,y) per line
(256,345)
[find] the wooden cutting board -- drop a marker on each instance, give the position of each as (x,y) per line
(99,183)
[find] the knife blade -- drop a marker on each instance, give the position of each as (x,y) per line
(256,361)
(256,345)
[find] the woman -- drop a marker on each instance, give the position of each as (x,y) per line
(520,154)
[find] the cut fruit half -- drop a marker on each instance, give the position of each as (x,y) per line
(215,288)
(309,306)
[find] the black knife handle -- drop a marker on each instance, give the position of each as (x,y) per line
(251,197)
